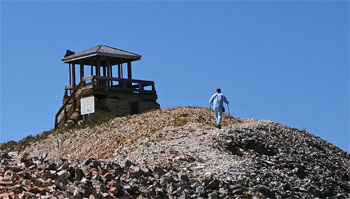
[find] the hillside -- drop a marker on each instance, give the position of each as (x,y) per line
(178,152)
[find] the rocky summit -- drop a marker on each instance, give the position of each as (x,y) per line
(177,153)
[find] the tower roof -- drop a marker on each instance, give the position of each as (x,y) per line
(114,55)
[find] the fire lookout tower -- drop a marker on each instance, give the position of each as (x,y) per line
(101,91)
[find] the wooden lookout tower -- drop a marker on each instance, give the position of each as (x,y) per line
(105,89)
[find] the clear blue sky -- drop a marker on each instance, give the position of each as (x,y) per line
(281,61)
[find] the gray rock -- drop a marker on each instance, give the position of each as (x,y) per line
(79,174)
(135,171)
(223,191)
(95,164)
(200,191)
(86,170)
(237,191)
(64,174)
(87,161)
(77,192)
(108,177)
(213,195)
(63,166)
(128,163)
(214,185)
(13,154)
(159,171)
(4,156)
(265,191)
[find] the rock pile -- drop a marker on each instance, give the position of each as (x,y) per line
(41,177)
(177,153)
(288,163)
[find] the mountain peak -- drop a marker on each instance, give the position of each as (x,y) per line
(264,158)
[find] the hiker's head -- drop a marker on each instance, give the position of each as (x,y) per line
(218,90)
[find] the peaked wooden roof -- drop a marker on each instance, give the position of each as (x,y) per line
(114,55)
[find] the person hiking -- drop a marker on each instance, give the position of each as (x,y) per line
(217,101)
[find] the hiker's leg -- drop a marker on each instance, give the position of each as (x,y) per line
(219,117)
(216,115)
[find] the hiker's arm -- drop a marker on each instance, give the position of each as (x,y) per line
(211,99)
(225,100)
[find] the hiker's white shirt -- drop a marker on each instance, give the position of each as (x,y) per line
(218,100)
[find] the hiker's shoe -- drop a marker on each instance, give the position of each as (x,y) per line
(219,126)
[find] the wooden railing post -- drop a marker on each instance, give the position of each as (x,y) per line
(129,70)
(70,74)
(104,71)
(111,73)
(74,104)
(81,71)
(65,113)
(92,67)
(141,87)
(119,71)
(55,122)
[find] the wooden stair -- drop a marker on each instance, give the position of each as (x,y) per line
(70,110)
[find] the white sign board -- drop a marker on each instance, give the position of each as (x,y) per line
(87,105)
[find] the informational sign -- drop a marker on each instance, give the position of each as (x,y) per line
(87,105)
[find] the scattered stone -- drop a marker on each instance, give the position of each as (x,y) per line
(64,174)
(213,195)
(108,177)
(214,185)
(147,156)
(14,168)
(128,163)
(200,191)
(159,171)
(36,190)
(5,182)
(13,154)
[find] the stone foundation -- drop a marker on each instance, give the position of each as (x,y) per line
(119,108)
